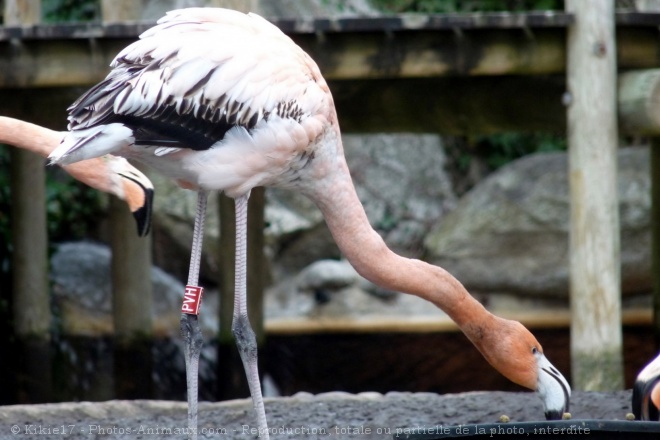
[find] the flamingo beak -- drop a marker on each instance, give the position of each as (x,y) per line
(553,389)
(646,391)
(139,193)
(143,214)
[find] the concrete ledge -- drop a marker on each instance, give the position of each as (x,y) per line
(303,416)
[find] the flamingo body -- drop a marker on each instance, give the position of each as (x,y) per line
(215,99)
(220,100)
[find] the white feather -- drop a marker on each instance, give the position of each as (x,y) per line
(93,142)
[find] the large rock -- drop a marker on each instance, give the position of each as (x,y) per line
(510,233)
(333,289)
(402,195)
(82,294)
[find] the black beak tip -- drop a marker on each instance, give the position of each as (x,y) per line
(553,415)
(143,214)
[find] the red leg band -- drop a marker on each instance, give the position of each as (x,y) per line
(192,299)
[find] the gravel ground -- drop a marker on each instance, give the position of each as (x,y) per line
(303,416)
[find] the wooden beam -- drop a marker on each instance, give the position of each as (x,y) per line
(42,56)
(428,324)
(595,279)
(42,64)
(436,53)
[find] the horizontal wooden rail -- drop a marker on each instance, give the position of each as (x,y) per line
(428,324)
(351,48)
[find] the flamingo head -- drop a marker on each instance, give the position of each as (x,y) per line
(515,352)
(136,190)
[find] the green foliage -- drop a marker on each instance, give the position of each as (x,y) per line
(58,11)
(73,209)
(500,149)
(454,6)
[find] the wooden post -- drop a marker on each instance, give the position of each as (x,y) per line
(30,294)
(22,12)
(30,241)
(132,305)
(231,377)
(595,278)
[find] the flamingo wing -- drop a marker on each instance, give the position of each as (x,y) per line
(199,73)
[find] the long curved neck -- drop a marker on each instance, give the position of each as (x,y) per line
(28,136)
(42,141)
(371,257)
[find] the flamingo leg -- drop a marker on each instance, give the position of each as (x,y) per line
(190,329)
(241,329)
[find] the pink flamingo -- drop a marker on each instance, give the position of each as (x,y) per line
(220,100)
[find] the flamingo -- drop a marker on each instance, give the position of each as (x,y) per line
(221,100)
(646,392)
(110,174)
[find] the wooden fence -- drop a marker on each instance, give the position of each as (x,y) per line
(598,39)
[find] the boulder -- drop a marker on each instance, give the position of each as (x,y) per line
(333,289)
(509,234)
(82,294)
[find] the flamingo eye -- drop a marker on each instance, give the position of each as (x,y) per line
(535,350)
